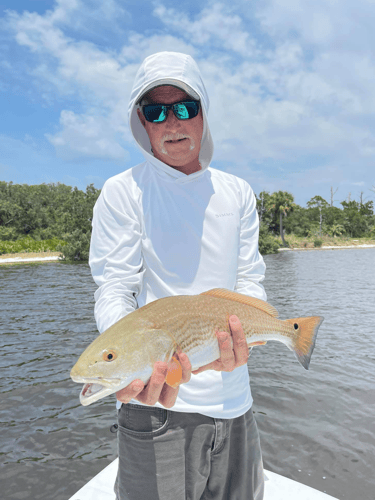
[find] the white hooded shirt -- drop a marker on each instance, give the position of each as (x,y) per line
(158,232)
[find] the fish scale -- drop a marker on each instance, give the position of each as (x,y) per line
(210,316)
(129,349)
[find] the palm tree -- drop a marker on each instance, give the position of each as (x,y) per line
(282,203)
(336,230)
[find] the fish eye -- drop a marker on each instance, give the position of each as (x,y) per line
(295,326)
(109,355)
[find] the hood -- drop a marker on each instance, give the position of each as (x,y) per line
(170,68)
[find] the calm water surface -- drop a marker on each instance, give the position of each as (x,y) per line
(316,426)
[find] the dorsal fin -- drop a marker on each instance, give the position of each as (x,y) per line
(223,293)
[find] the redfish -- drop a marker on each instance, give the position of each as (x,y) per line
(183,323)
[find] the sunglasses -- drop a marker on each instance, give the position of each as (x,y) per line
(184,110)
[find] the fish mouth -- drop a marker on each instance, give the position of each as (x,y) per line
(92,392)
(96,388)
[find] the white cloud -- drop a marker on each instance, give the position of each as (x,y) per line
(215,25)
(102,80)
(67,64)
(300,86)
(86,136)
(139,46)
(329,24)
(336,39)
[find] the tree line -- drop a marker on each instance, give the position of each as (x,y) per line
(280,215)
(46,211)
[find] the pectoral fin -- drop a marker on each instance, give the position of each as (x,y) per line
(174,374)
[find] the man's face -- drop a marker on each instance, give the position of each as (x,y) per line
(165,137)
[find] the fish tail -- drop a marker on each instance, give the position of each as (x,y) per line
(304,342)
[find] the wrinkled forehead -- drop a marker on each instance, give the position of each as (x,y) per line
(165,94)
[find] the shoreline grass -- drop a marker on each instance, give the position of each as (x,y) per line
(29,255)
(301,242)
(293,243)
(29,245)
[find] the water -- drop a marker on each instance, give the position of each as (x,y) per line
(316,426)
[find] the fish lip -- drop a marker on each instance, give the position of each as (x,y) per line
(108,383)
(101,386)
(87,397)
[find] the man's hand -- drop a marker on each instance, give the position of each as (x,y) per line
(230,358)
(156,389)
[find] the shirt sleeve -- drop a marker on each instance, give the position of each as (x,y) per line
(115,258)
(251,267)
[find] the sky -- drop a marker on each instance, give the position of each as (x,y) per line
(290,83)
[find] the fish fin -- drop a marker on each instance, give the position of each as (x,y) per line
(223,293)
(174,374)
(304,344)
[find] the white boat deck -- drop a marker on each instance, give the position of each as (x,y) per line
(276,487)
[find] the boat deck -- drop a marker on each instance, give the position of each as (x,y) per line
(276,487)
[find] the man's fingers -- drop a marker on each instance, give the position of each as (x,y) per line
(156,388)
(215,365)
(230,357)
(151,393)
(226,362)
(169,394)
(240,347)
(226,352)
(130,392)
(186,367)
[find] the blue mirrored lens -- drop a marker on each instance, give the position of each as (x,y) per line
(186,110)
(157,113)
(181,111)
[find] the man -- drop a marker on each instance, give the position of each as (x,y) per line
(175,226)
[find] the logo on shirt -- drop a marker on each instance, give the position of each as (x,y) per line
(224,215)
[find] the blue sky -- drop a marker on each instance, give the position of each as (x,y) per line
(291,87)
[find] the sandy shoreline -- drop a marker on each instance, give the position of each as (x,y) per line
(26,257)
(334,247)
(46,257)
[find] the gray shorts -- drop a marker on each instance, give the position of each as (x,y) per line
(168,455)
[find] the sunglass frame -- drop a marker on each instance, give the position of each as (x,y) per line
(167,107)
